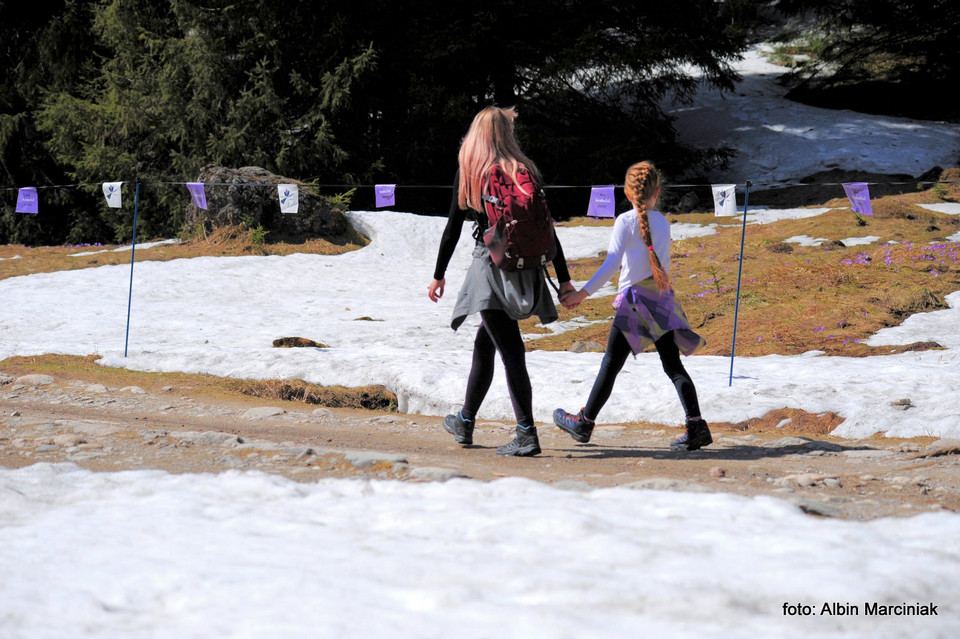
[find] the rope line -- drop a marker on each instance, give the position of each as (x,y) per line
(753,185)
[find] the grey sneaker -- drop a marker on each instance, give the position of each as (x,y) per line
(697,436)
(460,428)
(525,444)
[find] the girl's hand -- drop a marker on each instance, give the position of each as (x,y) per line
(573,299)
(435,290)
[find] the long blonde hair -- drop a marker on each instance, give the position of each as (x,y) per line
(490,141)
(641,184)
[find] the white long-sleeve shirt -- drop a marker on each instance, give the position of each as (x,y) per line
(627,251)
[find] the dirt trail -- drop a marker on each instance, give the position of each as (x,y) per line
(64,419)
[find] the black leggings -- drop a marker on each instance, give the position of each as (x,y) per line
(499,333)
(616,356)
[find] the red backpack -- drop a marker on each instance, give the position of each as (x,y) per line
(520,232)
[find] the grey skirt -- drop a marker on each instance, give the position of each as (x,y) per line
(519,294)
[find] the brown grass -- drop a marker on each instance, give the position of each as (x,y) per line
(244,391)
(368,397)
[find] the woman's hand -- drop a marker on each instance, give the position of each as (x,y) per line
(435,290)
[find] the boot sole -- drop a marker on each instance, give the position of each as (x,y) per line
(695,444)
(577,437)
(526,451)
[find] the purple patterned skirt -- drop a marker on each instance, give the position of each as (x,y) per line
(644,315)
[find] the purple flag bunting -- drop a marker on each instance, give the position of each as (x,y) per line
(197,194)
(386,194)
(27,201)
(601,202)
(859,196)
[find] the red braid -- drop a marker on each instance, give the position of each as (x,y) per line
(640,185)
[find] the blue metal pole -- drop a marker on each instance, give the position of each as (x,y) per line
(736,308)
(133,252)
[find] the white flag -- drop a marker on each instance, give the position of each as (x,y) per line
(289,198)
(111,191)
(725,199)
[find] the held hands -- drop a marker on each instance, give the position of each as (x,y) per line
(570,297)
(435,290)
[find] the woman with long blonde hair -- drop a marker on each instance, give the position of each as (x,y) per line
(500,297)
(647,311)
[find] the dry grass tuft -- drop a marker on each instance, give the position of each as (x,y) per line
(792,422)
(367,397)
(297,342)
(220,388)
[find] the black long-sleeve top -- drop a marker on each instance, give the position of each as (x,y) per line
(451,236)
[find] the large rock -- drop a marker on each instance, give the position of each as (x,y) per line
(249,195)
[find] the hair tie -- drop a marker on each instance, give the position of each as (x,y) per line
(649,248)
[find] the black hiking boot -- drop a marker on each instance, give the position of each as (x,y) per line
(696,436)
(460,428)
(577,426)
(526,443)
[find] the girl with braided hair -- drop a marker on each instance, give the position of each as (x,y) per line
(647,311)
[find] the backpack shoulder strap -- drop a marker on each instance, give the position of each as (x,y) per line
(496,173)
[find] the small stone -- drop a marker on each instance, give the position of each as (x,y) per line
(134,390)
(69,439)
(787,442)
(717,473)
(586,347)
(363,458)
(84,456)
(430,473)
(666,483)
(865,454)
(34,380)
(262,412)
(209,438)
(817,508)
(902,404)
